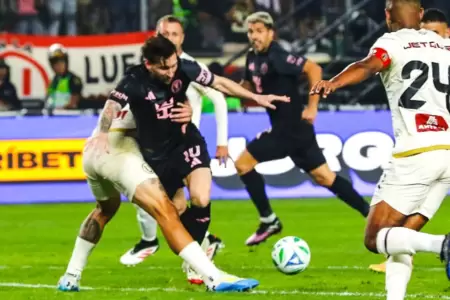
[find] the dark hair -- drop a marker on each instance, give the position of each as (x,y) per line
(434,15)
(170,19)
(391,3)
(157,48)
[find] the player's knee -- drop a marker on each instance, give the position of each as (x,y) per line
(242,166)
(180,206)
(324,178)
(200,199)
(370,241)
(107,209)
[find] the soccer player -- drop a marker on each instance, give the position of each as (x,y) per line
(172,28)
(435,20)
(414,67)
(270,69)
(114,165)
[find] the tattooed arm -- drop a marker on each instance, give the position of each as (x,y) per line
(109,112)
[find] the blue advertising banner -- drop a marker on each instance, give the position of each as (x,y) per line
(40,157)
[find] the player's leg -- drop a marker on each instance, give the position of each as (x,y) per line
(438,191)
(400,193)
(265,147)
(108,202)
(150,195)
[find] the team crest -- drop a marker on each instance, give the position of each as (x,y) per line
(251,66)
(264,68)
(176,86)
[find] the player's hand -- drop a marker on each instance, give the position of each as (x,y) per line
(309,114)
(182,113)
(324,88)
(99,144)
(266,100)
(222,155)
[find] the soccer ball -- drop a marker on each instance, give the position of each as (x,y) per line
(291,255)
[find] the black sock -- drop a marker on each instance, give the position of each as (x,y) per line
(255,186)
(344,190)
(196,220)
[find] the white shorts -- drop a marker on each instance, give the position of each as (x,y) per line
(120,171)
(415,184)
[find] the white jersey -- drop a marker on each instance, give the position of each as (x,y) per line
(417,87)
(194,93)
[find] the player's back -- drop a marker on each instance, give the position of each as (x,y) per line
(417,87)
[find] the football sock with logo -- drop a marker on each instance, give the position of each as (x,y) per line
(255,186)
(398,274)
(147,225)
(196,220)
(344,190)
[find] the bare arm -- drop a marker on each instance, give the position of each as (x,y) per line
(232,88)
(314,73)
(246,85)
(108,114)
(353,74)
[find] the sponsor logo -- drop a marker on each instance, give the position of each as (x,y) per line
(425,122)
(118,95)
(41,160)
(150,96)
(204,77)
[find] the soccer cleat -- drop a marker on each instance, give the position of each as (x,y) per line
(192,276)
(211,245)
(265,230)
(231,283)
(69,283)
(379,268)
(445,254)
(139,252)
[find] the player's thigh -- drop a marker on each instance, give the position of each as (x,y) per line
(266,147)
(308,156)
(198,183)
(126,171)
(406,182)
(437,193)
(102,188)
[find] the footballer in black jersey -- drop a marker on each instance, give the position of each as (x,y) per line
(271,69)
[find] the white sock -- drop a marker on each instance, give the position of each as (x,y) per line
(400,240)
(197,259)
(398,273)
(80,254)
(147,225)
(268,219)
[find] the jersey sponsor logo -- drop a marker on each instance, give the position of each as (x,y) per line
(264,68)
(41,160)
(150,96)
(118,95)
(204,77)
(163,109)
(415,45)
(176,86)
(425,123)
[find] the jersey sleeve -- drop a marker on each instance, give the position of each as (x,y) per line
(123,93)
(286,63)
(196,73)
(75,85)
(384,49)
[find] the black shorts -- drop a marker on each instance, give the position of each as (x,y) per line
(301,147)
(189,156)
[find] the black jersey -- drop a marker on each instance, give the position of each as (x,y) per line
(277,72)
(151,102)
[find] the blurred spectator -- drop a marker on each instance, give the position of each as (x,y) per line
(64,91)
(125,15)
(29,22)
(66,10)
(8,94)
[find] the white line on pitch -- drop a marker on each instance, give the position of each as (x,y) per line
(263,292)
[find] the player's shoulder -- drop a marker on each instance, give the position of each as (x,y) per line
(186,56)
(134,78)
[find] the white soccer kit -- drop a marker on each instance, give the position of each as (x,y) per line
(121,170)
(417,85)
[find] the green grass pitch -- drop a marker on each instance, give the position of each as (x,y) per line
(36,242)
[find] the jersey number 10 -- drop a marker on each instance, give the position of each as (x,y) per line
(406,100)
